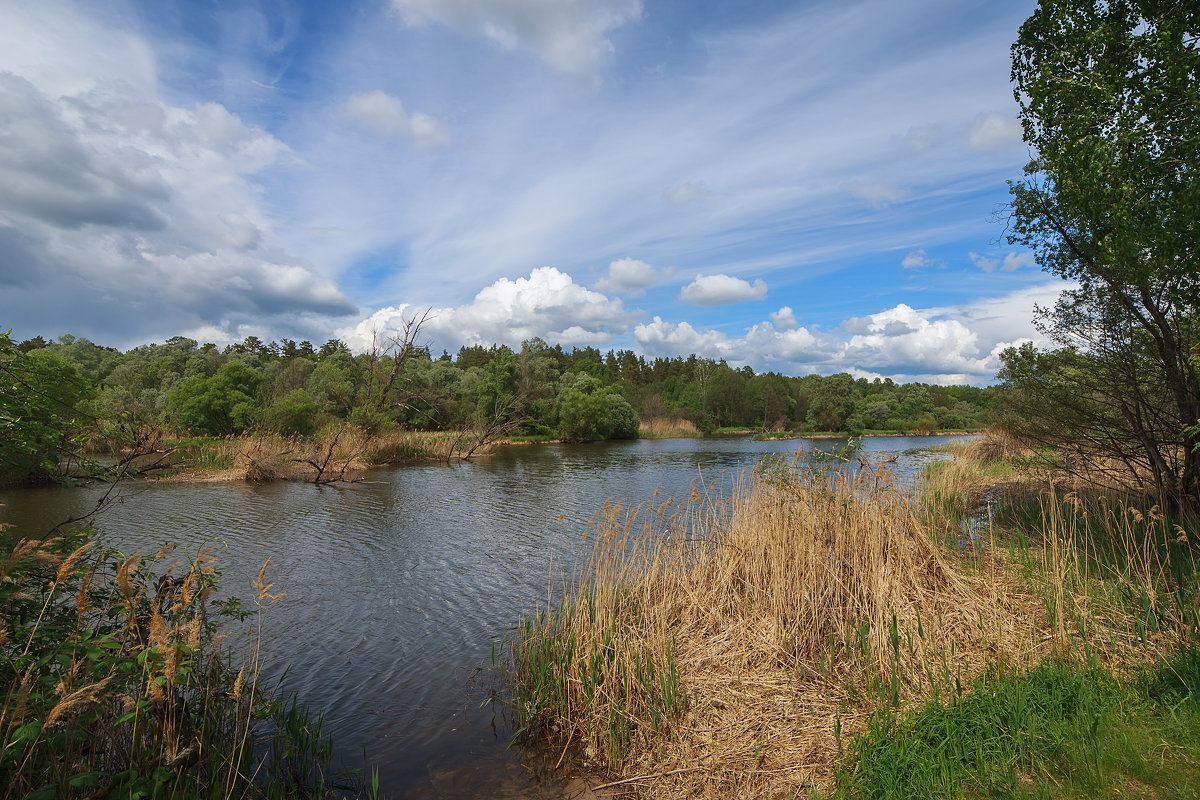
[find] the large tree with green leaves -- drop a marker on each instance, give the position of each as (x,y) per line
(1109,92)
(40,417)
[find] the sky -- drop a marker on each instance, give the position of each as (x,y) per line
(801,187)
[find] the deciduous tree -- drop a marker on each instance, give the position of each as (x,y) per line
(1109,92)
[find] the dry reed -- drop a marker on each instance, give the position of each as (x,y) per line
(342,453)
(719,648)
(668,428)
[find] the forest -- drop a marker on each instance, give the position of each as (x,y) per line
(540,390)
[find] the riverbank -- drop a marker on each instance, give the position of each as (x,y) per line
(823,630)
(116,682)
(340,454)
(766,435)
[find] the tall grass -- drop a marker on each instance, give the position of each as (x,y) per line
(338,453)
(668,428)
(114,683)
(1113,705)
(743,640)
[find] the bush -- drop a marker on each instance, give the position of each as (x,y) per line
(114,685)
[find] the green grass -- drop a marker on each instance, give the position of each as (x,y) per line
(1120,579)
(1058,730)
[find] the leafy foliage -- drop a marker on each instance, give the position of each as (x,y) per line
(114,684)
(40,422)
(1110,104)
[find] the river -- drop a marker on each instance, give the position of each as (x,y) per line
(400,587)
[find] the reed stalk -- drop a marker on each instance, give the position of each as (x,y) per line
(746,633)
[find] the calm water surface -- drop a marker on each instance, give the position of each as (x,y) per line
(399,588)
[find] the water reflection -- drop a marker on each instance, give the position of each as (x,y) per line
(398,587)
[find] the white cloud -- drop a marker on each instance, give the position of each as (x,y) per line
(994,132)
(903,340)
(916,259)
(721,289)
(660,338)
(1008,319)
(784,317)
(878,193)
(1015,261)
(547,304)
(143,218)
(630,276)
(571,36)
(1011,262)
(382,112)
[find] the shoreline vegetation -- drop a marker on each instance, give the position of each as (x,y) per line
(345,454)
(826,632)
(398,402)
(117,683)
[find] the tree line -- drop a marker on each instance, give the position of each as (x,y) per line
(540,390)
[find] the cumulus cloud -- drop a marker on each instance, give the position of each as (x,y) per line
(630,276)
(570,36)
(721,289)
(381,112)
(547,304)
(993,132)
(1011,262)
(660,338)
(903,340)
(784,317)
(145,217)
(764,346)
(916,259)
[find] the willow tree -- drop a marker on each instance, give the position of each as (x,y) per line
(1109,95)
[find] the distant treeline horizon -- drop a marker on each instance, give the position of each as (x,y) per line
(297,388)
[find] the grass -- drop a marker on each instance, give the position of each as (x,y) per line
(114,683)
(338,453)
(824,631)
(1062,729)
(668,428)
(742,638)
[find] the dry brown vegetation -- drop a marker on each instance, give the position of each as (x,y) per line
(740,639)
(339,454)
(668,428)
(722,648)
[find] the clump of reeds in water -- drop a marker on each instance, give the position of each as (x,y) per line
(724,647)
(337,454)
(114,683)
(668,428)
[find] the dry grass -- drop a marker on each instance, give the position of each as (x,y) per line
(342,453)
(731,648)
(724,648)
(668,428)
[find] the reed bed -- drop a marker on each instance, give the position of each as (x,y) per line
(114,683)
(668,428)
(718,648)
(341,453)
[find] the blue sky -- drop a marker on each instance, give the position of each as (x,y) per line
(797,186)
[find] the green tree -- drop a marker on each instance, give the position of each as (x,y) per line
(224,404)
(40,420)
(1109,94)
(293,414)
(588,411)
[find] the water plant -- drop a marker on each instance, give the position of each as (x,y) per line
(743,633)
(115,683)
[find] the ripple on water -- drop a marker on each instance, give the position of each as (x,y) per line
(398,588)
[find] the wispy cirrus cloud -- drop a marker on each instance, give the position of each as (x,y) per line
(570,36)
